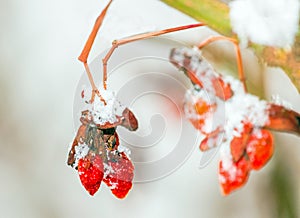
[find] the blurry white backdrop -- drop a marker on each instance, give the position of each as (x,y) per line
(40,42)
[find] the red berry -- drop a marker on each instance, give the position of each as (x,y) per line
(129,121)
(198,109)
(207,143)
(201,106)
(233,175)
(260,148)
(283,119)
(119,176)
(223,90)
(239,143)
(212,140)
(90,171)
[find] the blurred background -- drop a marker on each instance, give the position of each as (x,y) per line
(40,42)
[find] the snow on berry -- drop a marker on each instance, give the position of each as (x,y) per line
(125,150)
(95,151)
(199,108)
(81,150)
(219,108)
(243,107)
(260,148)
(101,112)
(212,140)
(233,175)
(239,143)
(90,172)
(276,99)
(217,102)
(243,112)
(119,176)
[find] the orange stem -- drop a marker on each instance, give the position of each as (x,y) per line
(88,45)
(86,51)
(117,43)
(238,55)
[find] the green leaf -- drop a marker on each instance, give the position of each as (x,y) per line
(212,12)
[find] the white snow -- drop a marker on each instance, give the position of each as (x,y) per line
(240,109)
(194,95)
(267,22)
(227,116)
(107,170)
(243,108)
(100,112)
(227,165)
(276,99)
(125,150)
(81,150)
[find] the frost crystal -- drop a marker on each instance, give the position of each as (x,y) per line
(266,22)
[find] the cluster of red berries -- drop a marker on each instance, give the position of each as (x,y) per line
(227,116)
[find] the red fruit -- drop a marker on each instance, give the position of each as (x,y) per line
(91,173)
(129,121)
(198,112)
(194,79)
(201,106)
(233,175)
(207,143)
(260,148)
(119,176)
(222,89)
(283,119)
(238,144)
(211,140)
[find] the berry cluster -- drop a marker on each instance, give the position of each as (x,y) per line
(220,108)
(96,153)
